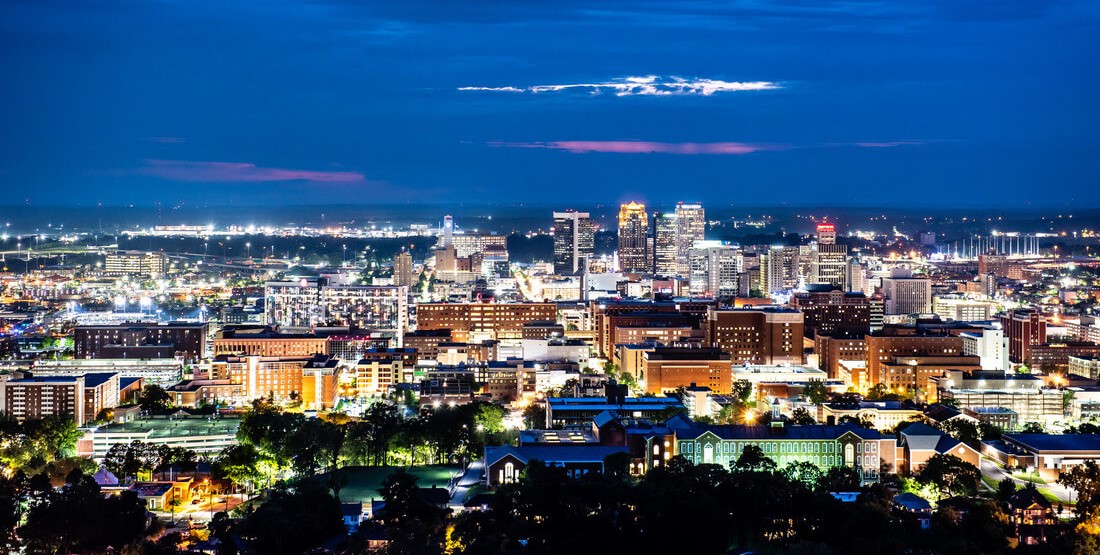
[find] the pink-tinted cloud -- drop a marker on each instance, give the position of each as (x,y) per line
(645,147)
(240,172)
(889,144)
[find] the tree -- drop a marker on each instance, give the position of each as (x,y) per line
(78,518)
(962,430)
(240,464)
(805,473)
(840,478)
(741,391)
(950,475)
(753,459)
(293,520)
(801,416)
(1032,428)
(155,399)
(816,392)
(1006,488)
(1085,480)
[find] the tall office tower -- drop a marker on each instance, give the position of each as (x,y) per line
(855,279)
(633,233)
(715,270)
(574,241)
(779,269)
(691,226)
(1022,329)
(664,244)
(828,259)
(403,269)
(448,230)
(905,294)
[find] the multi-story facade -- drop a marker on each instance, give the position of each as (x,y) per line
(266,343)
(831,350)
(633,238)
(885,348)
(715,270)
(780,269)
(161,372)
(280,378)
(691,226)
(667,369)
(1023,328)
(828,310)
(491,320)
(1086,367)
(665,227)
(1054,357)
(828,260)
(822,446)
(426,342)
(403,275)
(142,340)
(81,396)
(574,241)
(149,265)
(308,303)
(758,335)
(905,294)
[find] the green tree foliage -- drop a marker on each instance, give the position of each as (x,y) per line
(840,478)
(801,416)
(155,399)
(753,459)
(77,518)
(413,525)
(1085,480)
(1006,488)
(950,475)
(293,519)
(816,392)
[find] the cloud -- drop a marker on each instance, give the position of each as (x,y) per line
(645,147)
(889,144)
(239,172)
(649,85)
(656,147)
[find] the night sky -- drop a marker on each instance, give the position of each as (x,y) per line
(945,103)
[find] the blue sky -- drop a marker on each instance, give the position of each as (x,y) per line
(818,103)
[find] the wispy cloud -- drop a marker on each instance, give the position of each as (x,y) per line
(718,148)
(890,144)
(239,172)
(645,147)
(649,85)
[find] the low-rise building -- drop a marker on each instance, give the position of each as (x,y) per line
(1048,454)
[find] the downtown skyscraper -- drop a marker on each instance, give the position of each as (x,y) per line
(633,238)
(665,226)
(691,226)
(574,241)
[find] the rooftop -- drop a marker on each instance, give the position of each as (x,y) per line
(1053,442)
(154,428)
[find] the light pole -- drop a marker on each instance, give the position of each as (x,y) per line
(248,250)
(344,260)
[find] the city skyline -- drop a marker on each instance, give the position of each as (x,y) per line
(761,103)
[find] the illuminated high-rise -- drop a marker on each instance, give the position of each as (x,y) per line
(828,260)
(574,241)
(664,244)
(691,226)
(633,238)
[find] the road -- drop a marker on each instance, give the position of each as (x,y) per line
(470,478)
(996,473)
